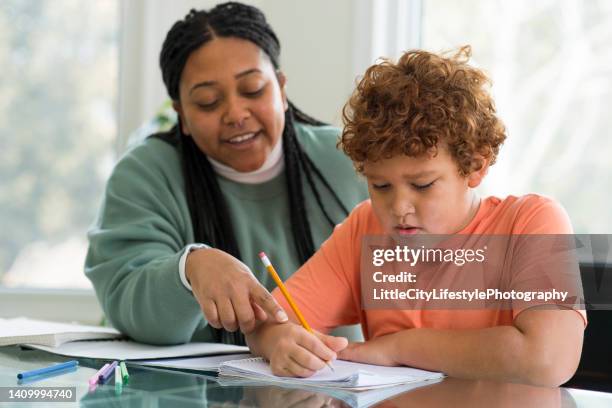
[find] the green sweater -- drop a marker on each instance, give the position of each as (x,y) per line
(144,225)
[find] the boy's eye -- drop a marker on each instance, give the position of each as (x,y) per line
(423,186)
(381,186)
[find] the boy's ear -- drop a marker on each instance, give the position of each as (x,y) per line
(282,82)
(476,177)
(179,111)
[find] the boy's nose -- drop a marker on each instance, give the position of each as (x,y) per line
(401,207)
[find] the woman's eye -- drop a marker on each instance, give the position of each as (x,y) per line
(207,106)
(256,92)
(382,186)
(423,186)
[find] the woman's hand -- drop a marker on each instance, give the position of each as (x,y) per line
(292,350)
(228,293)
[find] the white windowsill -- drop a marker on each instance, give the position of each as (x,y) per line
(67,305)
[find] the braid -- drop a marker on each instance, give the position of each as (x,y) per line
(215,224)
(207,206)
(300,227)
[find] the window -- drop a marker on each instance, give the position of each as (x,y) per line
(58,124)
(551,66)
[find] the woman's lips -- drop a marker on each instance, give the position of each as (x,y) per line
(243,141)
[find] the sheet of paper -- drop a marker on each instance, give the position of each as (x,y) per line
(22,330)
(130,350)
(210,363)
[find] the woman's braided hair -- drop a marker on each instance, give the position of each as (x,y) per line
(207,207)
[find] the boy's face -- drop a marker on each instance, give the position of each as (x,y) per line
(422,195)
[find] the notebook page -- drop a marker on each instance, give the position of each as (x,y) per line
(346,374)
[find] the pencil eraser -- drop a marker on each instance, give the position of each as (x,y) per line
(262,254)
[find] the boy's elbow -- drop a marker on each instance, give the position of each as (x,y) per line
(552,375)
(550,369)
(550,347)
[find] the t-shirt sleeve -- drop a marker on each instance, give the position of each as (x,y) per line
(326,288)
(545,256)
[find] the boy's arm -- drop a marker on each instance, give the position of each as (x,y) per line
(541,348)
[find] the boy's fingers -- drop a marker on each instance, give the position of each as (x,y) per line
(334,343)
(350,352)
(267,302)
(306,359)
(315,346)
(290,368)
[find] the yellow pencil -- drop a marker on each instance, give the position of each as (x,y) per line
(285,292)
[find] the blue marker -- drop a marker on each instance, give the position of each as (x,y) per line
(48,370)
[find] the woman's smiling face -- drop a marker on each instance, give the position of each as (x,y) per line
(232,102)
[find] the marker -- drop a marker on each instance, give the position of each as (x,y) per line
(48,370)
(94,378)
(118,380)
(124,372)
(110,370)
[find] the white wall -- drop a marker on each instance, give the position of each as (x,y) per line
(317,54)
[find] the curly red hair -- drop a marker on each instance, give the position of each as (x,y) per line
(418,104)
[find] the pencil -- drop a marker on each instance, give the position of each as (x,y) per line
(285,292)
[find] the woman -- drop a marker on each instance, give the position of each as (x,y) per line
(173,255)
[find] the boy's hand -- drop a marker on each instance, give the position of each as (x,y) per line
(377,351)
(292,350)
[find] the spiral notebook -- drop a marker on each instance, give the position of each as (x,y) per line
(346,375)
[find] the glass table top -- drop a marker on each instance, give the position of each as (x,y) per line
(153,387)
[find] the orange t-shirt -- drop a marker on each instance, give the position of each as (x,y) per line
(327,288)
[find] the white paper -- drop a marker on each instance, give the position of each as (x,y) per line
(130,350)
(22,330)
(346,374)
(210,363)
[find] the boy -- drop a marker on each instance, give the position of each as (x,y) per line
(424,132)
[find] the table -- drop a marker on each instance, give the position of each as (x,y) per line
(152,387)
